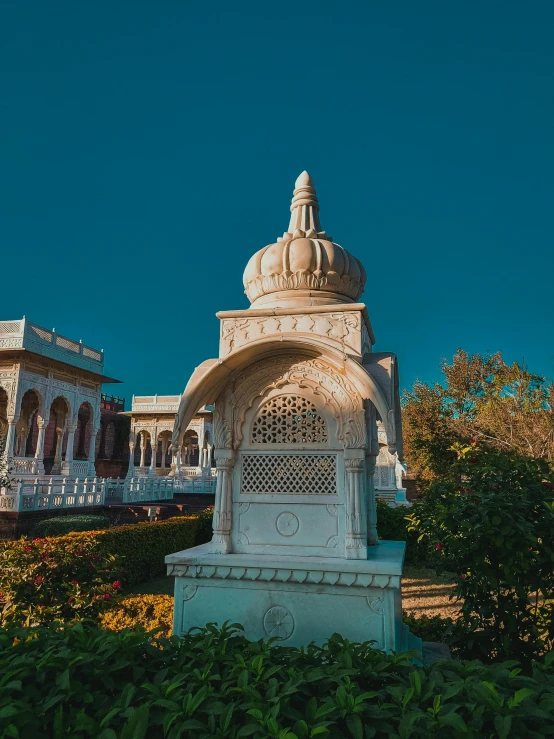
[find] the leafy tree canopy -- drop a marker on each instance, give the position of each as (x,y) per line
(504,406)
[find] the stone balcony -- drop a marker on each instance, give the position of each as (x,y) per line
(22,334)
(155,403)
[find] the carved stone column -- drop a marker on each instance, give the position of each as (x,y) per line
(131,468)
(356,524)
(65,468)
(372,536)
(92,452)
(59,443)
(70,443)
(154,445)
(10,437)
(164,452)
(142,448)
(221,541)
(39,453)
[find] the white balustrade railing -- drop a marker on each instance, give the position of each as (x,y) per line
(164,488)
(55,493)
(24,465)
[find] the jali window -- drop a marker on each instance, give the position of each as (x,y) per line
(289,419)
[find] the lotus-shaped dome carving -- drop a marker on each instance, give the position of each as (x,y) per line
(305,266)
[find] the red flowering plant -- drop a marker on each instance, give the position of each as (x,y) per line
(44,580)
(489,523)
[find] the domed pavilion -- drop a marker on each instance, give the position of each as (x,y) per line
(298,393)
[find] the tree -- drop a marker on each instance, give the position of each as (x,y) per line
(504,406)
(489,522)
(6,481)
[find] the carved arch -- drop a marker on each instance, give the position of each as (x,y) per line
(340,398)
(212,377)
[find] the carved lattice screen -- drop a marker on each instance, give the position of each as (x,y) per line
(289,419)
(289,474)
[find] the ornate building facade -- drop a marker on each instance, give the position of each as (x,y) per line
(152,421)
(50,400)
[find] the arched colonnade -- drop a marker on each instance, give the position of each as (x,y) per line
(48,436)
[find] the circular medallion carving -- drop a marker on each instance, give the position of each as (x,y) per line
(278,622)
(287,524)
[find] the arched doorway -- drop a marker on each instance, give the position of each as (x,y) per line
(26,429)
(189,450)
(60,411)
(163,455)
(83,432)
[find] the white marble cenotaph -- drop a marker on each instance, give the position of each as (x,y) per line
(298,392)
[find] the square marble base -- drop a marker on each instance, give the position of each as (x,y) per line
(297,599)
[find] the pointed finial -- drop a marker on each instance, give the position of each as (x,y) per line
(303,180)
(304,206)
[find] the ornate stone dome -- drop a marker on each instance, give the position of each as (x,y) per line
(304,267)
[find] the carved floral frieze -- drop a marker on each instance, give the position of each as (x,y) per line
(272,574)
(345,327)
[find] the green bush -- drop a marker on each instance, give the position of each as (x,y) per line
(430,628)
(65,524)
(37,578)
(85,682)
(42,580)
(204,530)
(142,547)
(393,525)
(490,522)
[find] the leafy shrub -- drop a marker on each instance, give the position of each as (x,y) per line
(41,581)
(141,612)
(143,547)
(393,525)
(204,529)
(430,628)
(490,522)
(37,578)
(65,524)
(214,683)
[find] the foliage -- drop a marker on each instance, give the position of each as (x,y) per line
(393,525)
(505,406)
(142,547)
(204,529)
(430,628)
(37,576)
(141,612)
(65,524)
(41,581)
(85,682)
(490,522)
(6,469)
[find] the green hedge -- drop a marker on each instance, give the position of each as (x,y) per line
(141,548)
(65,524)
(85,682)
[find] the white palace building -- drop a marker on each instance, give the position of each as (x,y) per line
(60,433)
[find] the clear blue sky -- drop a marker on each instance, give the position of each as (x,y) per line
(149,148)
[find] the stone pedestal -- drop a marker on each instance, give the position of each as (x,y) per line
(297,599)
(400,497)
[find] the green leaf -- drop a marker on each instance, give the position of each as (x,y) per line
(136,725)
(354,723)
(503,724)
(453,721)
(249,730)
(520,695)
